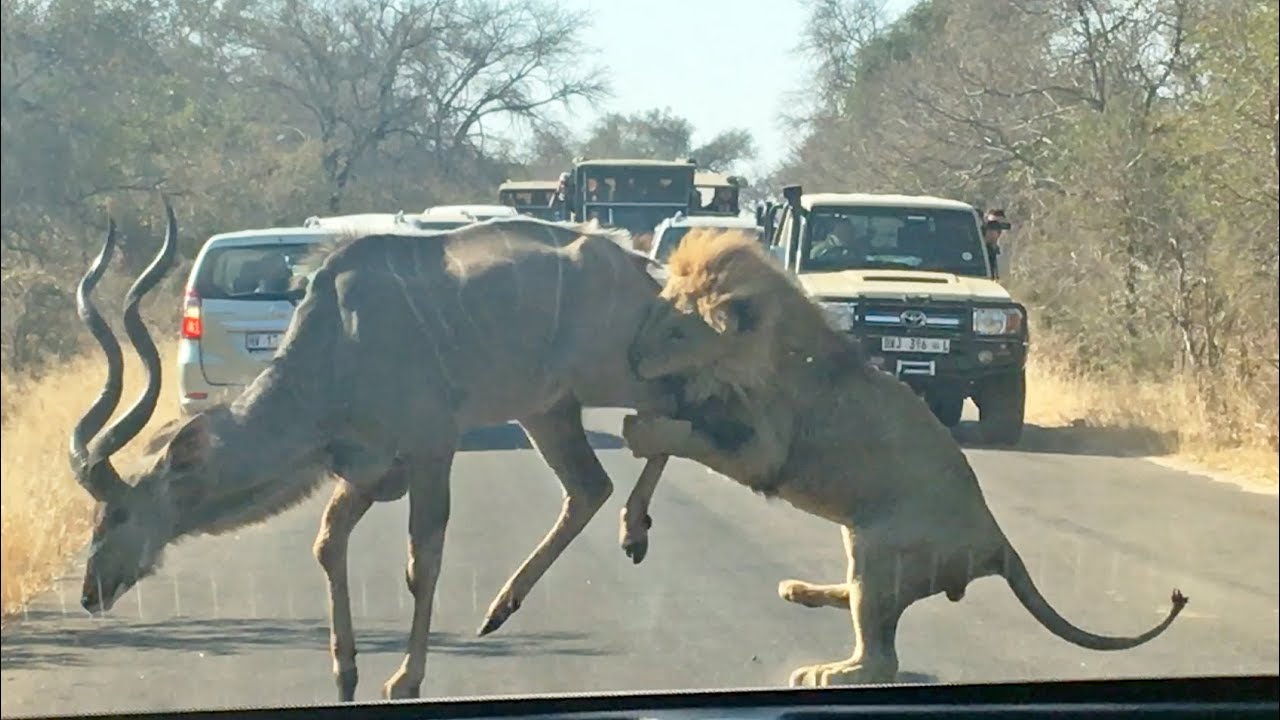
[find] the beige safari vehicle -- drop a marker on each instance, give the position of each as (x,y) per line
(908,275)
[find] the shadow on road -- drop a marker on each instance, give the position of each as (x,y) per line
(45,640)
(1101,441)
(510,436)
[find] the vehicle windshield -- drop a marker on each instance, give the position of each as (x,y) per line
(526,198)
(253,272)
(872,238)
(630,184)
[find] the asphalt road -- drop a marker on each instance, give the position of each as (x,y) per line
(239,620)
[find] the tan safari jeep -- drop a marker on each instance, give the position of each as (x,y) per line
(909,276)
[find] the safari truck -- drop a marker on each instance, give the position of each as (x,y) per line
(631,194)
(529,197)
(909,276)
(718,193)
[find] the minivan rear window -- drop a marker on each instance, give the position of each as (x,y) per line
(254,272)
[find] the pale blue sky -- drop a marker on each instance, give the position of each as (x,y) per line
(721,64)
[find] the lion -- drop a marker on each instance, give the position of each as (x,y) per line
(833,436)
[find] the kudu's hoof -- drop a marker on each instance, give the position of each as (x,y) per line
(497,617)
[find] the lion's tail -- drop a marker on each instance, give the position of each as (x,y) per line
(1015,573)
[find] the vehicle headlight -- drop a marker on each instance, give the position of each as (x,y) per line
(841,314)
(997,321)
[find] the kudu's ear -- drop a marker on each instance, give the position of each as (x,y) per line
(189,446)
(162,436)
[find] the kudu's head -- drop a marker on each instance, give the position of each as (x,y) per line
(135,520)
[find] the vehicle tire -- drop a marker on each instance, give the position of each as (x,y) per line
(1002,402)
(947,408)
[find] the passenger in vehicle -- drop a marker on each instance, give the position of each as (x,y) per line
(721,201)
(247,278)
(275,274)
(994,225)
(596,193)
(559,201)
(633,191)
(837,238)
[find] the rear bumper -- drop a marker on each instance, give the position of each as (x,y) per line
(194,392)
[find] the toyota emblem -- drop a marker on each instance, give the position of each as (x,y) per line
(913,318)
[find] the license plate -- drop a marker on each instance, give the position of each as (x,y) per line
(262,340)
(915,344)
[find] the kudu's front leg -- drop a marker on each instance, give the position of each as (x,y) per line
(562,442)
(346,507)
(428,518)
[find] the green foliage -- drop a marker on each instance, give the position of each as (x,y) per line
(1135,145)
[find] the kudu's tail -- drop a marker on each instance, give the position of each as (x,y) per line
(1015,573)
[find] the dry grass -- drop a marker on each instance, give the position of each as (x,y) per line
(1167,419)
(44,515)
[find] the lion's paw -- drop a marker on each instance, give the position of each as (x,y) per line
(810,595)
(651,435)
(845,672)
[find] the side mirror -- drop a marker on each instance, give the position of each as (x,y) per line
(792,193)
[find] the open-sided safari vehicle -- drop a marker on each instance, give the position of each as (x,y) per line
(529,197)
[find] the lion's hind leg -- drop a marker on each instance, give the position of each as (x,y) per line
(813,595)
(876,603)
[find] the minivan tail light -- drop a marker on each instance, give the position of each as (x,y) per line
(192,325)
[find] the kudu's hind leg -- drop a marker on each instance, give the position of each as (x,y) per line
(428,518)
(346,507)
(562,442)
(875,607)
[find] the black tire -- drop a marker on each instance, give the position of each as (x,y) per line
(947,408)
(1002,404)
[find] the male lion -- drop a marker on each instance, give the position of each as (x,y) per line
(833,436)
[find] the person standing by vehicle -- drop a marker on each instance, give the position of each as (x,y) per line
(994,225)
(559,202)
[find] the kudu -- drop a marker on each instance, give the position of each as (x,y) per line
(400,342)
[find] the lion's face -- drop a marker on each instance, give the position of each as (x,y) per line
(687,332)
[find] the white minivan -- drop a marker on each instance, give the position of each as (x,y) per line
(241,294)
(239,298)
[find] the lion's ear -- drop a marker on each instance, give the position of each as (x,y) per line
(742,316)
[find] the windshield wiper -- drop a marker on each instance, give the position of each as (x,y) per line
(872,264)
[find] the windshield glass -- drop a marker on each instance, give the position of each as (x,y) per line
(669,241)
(628,184)
(862,238)
(1003,411)
(526,198)
(253,272)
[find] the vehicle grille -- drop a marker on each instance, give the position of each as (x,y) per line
(932,318)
